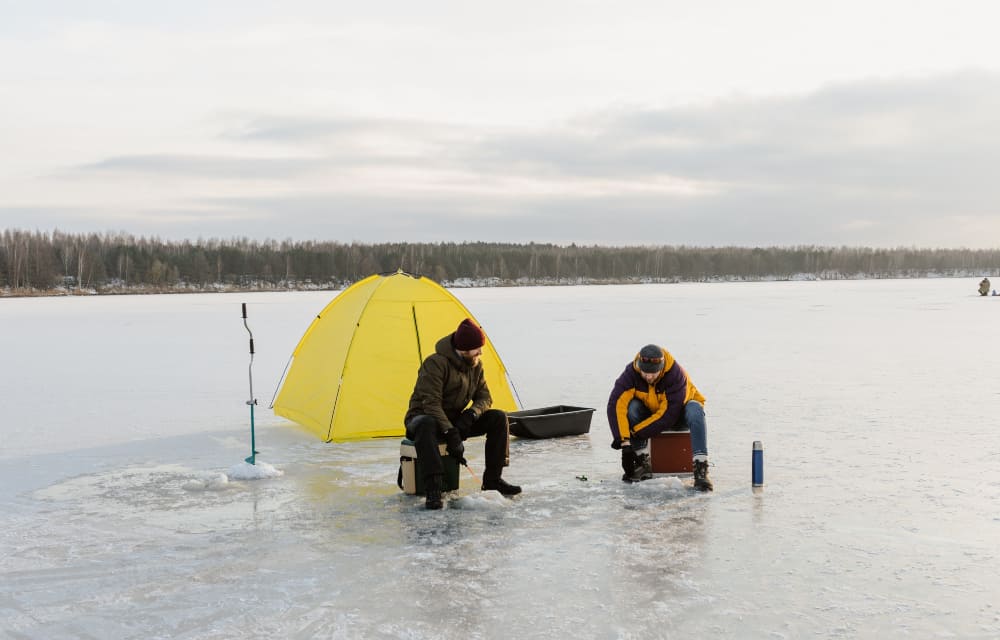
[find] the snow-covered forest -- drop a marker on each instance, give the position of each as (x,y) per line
(39,262)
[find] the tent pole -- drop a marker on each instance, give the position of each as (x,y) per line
(416,330)
(280,380)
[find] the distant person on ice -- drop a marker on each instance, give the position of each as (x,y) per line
(448,380)
(984,287)
(653,395)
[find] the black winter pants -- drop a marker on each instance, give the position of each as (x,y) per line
(423,431)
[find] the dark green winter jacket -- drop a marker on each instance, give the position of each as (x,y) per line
(446,385)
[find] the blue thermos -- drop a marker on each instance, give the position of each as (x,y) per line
(758,464)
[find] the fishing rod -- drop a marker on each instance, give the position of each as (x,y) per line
(252,401)
(471,473)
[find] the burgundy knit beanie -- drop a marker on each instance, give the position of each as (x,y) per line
(468,336)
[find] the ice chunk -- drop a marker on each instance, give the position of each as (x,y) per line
(483,500)
(207,482)
(247,471)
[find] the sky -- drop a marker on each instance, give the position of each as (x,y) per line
(618,123)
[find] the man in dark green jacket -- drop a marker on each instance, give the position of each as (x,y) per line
(450,403)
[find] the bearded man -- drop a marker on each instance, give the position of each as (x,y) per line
(451,403)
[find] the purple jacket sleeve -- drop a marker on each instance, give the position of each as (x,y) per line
(623,384)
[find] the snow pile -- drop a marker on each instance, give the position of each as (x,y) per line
(247,471)
(480,501)
(660,484)
(207,482)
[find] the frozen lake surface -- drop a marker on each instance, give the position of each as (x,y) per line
(876,402)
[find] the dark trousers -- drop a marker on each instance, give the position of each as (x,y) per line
(423,430)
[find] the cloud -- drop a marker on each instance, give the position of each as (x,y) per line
(326,129)
(207,166)
(870,135)
(881,162)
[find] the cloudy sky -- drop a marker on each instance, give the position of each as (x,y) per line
(701,123)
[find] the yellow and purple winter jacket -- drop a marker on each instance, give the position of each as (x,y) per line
(665,398)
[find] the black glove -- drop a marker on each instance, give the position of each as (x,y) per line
(465,420)
(629,460)
(453,443)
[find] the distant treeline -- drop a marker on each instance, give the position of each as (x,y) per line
(39,263)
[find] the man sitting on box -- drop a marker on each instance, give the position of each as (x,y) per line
(654,394)
(448,381)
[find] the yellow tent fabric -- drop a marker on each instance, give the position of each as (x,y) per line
(354,369)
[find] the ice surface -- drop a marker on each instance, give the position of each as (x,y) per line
(876,402)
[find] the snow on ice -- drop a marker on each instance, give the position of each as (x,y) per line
(127,513)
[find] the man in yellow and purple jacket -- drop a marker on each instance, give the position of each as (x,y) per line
(654,394)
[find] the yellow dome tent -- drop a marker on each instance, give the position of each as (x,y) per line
(354,369)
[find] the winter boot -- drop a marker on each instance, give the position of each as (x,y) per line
(493,482)
(636,464)
(433,492)
(643,468)
(701,480)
